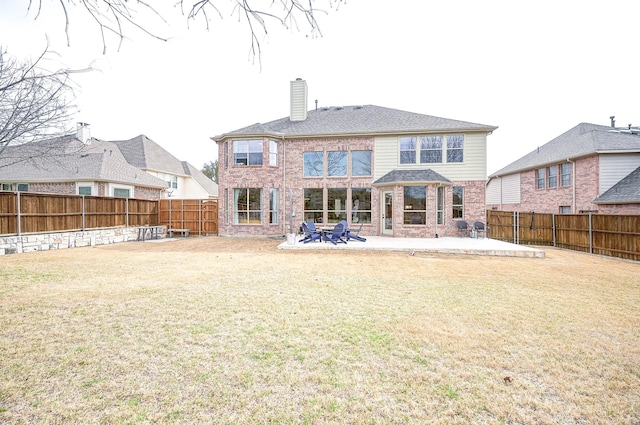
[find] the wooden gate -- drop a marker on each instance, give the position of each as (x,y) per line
(200,216)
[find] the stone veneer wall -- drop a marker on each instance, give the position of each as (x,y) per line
(49,241)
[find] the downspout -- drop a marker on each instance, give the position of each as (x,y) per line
(573,177)
(436,214)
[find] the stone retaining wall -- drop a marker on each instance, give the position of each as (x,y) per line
(48,241)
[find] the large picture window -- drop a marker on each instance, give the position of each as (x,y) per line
(415,205)
(455,148)
(313,164)
(430,149)
(360,163)
(247,206)
(337,163)
(336,205)
(247,152)
(313,206)
(458,202)
(360,206)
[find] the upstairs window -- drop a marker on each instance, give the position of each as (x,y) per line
(273,153)
(565,174)
(430,149)
(337,163)
(540,178)
(552,176)
(360,163)
(407,150)
(313,164)
(455,148)
(247,152)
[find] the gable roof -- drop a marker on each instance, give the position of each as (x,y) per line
(582,140)
(207,184)
(626,191)
(424,176)
(355,120)
(144,153)
(66,158)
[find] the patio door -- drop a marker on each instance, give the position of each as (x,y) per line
(387,213)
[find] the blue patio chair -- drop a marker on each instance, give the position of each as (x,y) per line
(463,227)
(337,236)
(346,229)
(309,234)
(355,235)
(480,228)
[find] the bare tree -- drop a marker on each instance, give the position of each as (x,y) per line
(211,170)
(35,104)
(114,16)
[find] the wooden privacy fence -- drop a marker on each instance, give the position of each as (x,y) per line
(612,235)
(27,213)
(200,216)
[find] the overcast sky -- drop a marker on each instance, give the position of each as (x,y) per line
(535,69)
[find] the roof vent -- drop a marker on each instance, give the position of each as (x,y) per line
(339,108)
(358,107)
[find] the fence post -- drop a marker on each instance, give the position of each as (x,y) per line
(83,224)
(590,233)
(126,212)
(18,216)
(553,227)
(515,227)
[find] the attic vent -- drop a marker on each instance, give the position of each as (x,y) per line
(358,107)
(339,108)
(324,109)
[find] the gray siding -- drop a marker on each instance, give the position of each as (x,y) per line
(615,167)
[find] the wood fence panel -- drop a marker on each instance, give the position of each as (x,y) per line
(46,213)
(535,228)
(198,215)
(617,236)
(572,232)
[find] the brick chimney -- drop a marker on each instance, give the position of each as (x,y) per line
(83,132)
(298,100)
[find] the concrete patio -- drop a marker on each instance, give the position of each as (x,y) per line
(447,245)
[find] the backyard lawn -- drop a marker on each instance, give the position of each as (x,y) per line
(234,331)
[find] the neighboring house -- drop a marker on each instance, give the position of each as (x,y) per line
(399,173)
(183,180)
(590,168)
(79,164)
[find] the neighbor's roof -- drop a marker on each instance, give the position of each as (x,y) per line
(626,191)
(68,159)
(207,184)
(396,177)
(144,153)
(582,140)
(355,120)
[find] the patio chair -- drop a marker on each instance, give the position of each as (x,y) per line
(336,236)
(463,227)
(309,234)
(480,228)
(346,229)
(355,235)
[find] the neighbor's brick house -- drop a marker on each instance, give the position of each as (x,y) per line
(590,168)
(398,173)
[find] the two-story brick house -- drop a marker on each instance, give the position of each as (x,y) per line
(589,168)
(398,173)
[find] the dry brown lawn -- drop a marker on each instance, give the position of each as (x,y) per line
(227,330)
